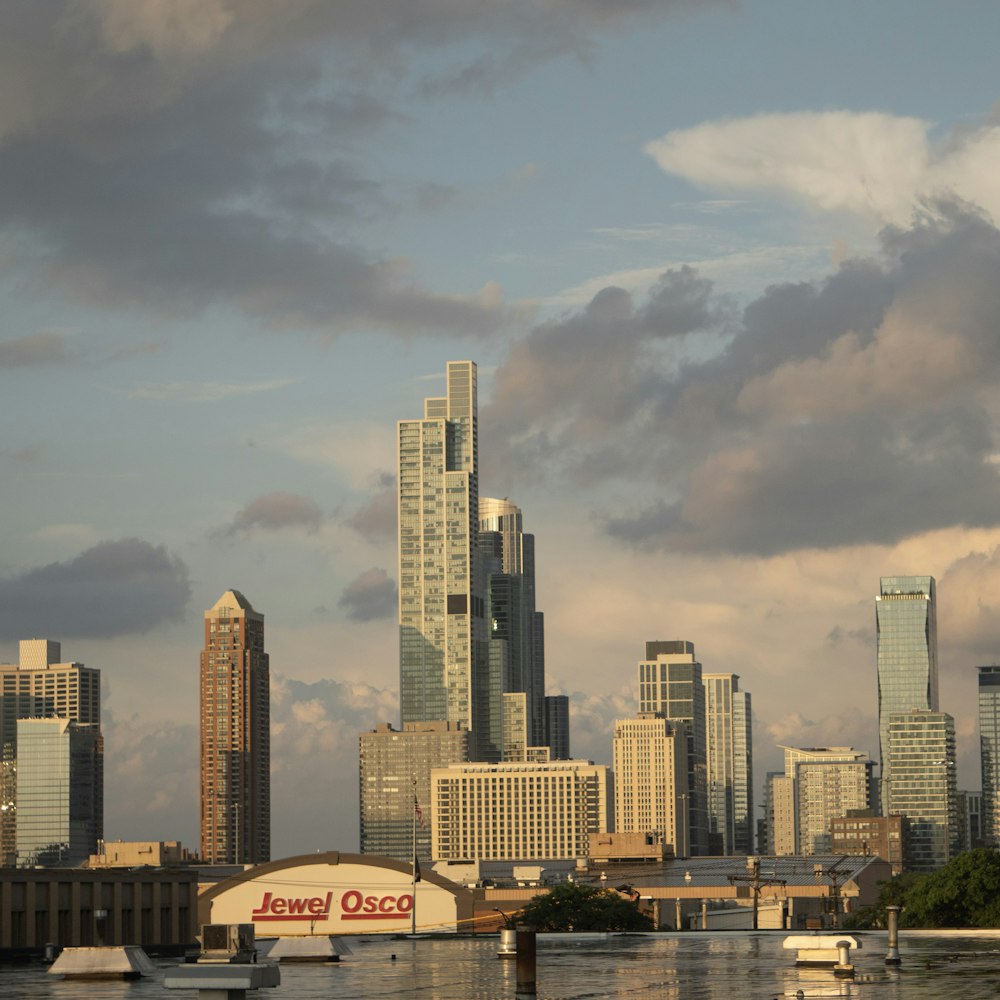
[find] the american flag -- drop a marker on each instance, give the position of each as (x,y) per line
(418,812)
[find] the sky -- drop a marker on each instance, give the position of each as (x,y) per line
(729,271)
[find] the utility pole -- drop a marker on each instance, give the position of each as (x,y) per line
(836,877)
(756,883)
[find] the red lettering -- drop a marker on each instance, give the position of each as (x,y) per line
(297,905)
(279,905)
(351,901)
(371,904)
(405,903)
(293,908)
(387,904)
(265,904)
(317,906)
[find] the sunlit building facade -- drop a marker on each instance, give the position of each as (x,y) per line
(235,735)
(923,785)
(60,792)
(906,624)
(670,682)
(729,756)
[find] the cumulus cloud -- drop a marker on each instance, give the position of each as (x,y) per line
(47,347)
(868,163)
(114,588)
(376,518)
(276,512)
(370,596)
(857,409)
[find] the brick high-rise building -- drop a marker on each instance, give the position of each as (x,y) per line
(235,735)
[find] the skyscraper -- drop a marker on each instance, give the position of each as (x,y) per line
(235,735)
(923,785)
(516,628)
(650,768)
(60,792)
(906,624)
(670,683)
(38,686)
(443,642)
(729,750)
(989,751)
(396,784)
(557,725)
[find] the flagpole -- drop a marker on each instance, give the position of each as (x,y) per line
(413,907)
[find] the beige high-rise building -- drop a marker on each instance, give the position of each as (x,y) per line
(823,782)
(38,686)
(517,811)
(235,735)
(651,787)
(395,784)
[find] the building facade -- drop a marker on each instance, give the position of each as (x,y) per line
(906,628)
(989,752)
(923,785)
(650,767)
(395,784)
(825,782)
(670,682)
(557,725)
(60,792)
(862,833)
(511,812)
(516,627)
(729,759)
(235,735)
(443,641)
(39,686)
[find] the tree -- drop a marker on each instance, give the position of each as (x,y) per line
(571,906)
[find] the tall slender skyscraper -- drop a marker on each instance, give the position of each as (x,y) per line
(729,751)
(516,636)
(989,751)
(235,735)
(906,624)
(38,686)
(443,642)
(670,683)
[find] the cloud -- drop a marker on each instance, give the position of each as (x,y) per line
(207,392)
(44,348)
(376,519)
(370,596)
(114,588)
(855,409)
(868,163)
(276,512)
(157,159)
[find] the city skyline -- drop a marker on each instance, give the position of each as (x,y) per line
(727,398)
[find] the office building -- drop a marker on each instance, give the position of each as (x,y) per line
(780,816)
(989,751)
(517,811)
(60,794)
(823,782)
(39,686)
(395,784)
(235,735)
(863,833)
(729,752)
(670,683)
(651,789)
(923,785)
(906,624)
(970,819)
(557,725)
(443,641)
(516,627)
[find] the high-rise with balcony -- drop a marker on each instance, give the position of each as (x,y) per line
(989,752)
(729,752)
(235,735)
(38,686)
(443,641)
(906,624)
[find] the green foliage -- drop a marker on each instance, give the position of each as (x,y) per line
(965,893)
(571,906)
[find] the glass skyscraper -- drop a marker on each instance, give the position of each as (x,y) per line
(989,750)
(729,752)
(906,624)
(443,642)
